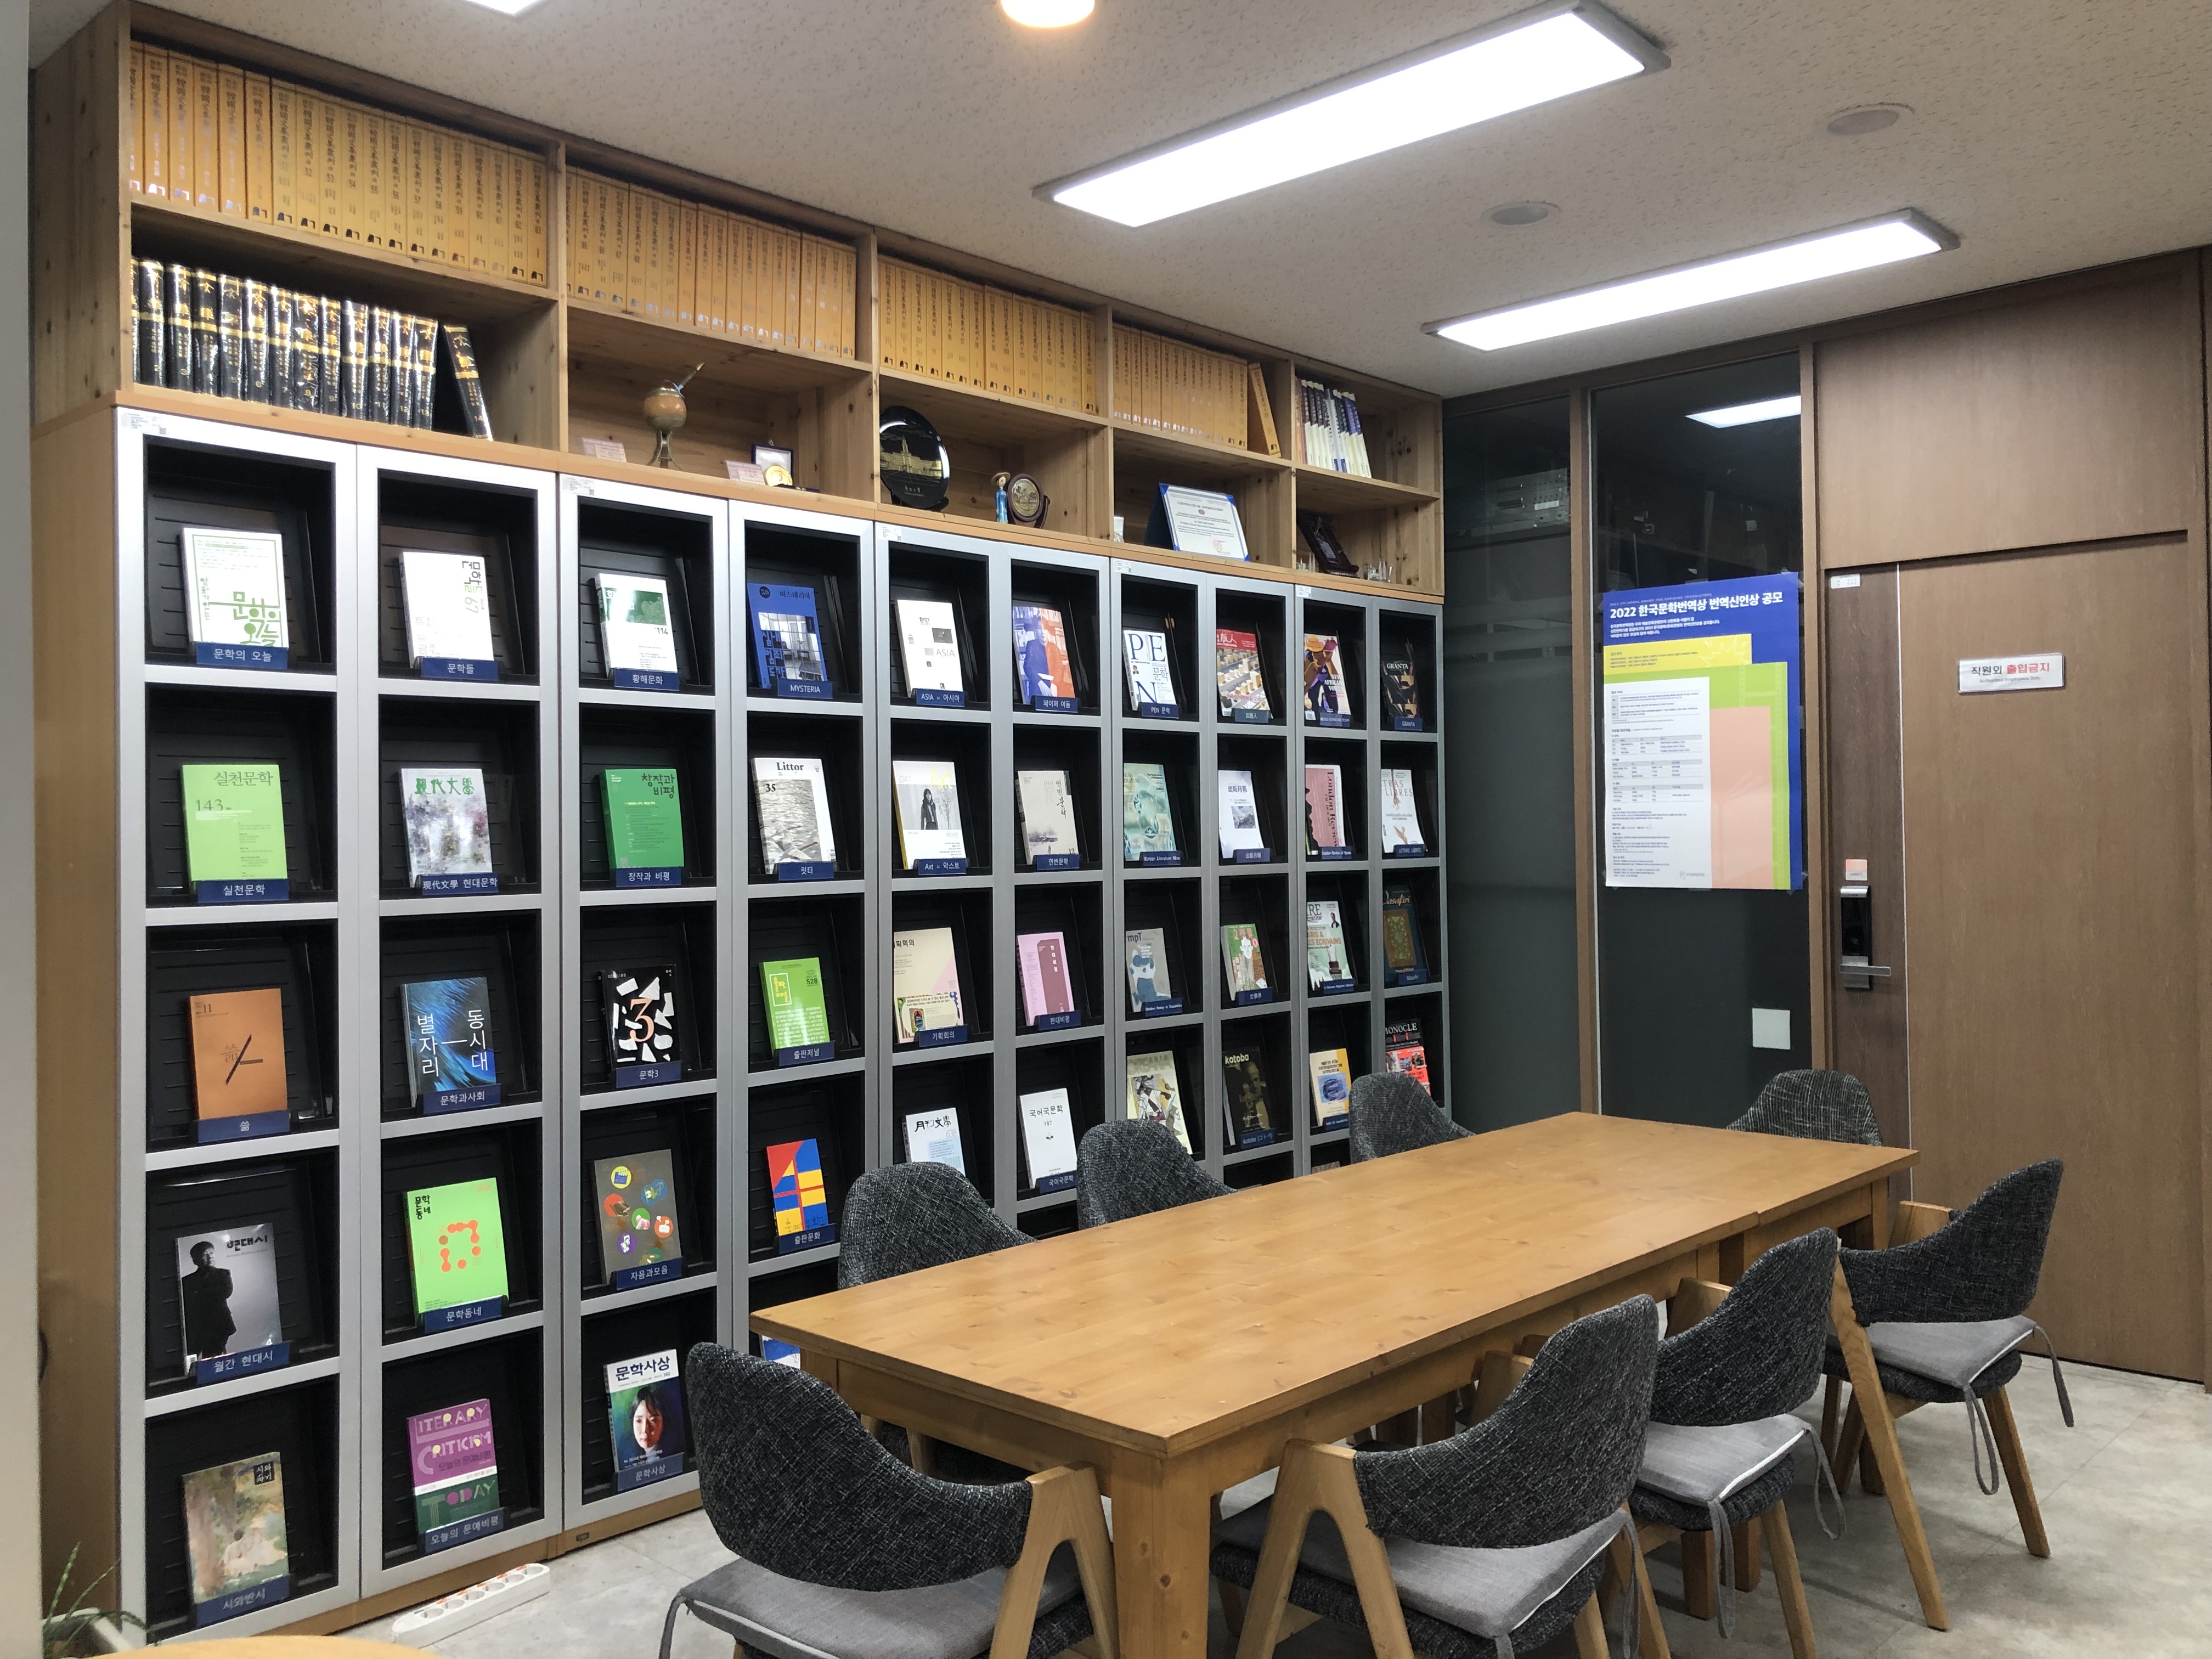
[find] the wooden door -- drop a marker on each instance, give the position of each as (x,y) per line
(2035,865)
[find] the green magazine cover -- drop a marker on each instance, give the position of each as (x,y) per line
(644,818)
(790,993)
(233,822)
(458,1249)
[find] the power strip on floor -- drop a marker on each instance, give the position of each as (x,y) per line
(434,1621)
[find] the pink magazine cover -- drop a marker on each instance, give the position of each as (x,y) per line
(451,1444)
(1045,989)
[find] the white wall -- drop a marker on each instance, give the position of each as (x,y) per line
(20,1591)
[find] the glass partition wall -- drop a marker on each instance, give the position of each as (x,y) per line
(1703,992)
(1508,683)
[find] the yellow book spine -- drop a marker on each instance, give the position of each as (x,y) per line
(717,283)
(258,206)
(769,294)
(687,266)
(673,308)
(615,227)
(307,159)
(909,303)
(658,211)
(803,331)
(633,254)
(478,196)
(375,161)
(787,242)
(754,325)
(331,163)
(526,181)
(509,178)
(602,230)
(283,137)
(1089,366)
(154,118)
(230,116)
(353,201)
(496,189)
(134,123)
(440,194)
(995,340)
(207,138)
(395,183)
(180,128)
(419,227)
(845,269)
(534,247)
(645,225)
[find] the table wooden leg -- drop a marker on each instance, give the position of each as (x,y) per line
(1700,1559)
(1160,1549)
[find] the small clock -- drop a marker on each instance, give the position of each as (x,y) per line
(1026,502)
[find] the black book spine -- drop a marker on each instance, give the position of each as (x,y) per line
(379,365)
(206,343)
(463,356)
(230,336)
(355,323)
(424,343)
(402,380)
(256,389)
(306,354)
(283,347)
(332,339)
(150,340)
(178,358)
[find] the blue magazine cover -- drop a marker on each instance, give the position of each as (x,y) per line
(451,1064)
(787,636)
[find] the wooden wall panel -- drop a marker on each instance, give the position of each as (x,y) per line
(2069,416)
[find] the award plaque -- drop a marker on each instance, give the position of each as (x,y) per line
(1022,499)
(916,469)
(775,465)
(1203,521)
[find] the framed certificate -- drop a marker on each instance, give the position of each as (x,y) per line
(1203,521)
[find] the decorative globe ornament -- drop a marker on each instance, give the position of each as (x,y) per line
(665,412)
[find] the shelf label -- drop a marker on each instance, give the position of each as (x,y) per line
(1248,1138)
(809,690)
(459,668)
(1056,1183)
(1159,1008)
(1155,860)
(1332,853)
(215,1611)
(1336,1122)
(645,1474)
(938,696)
(224,1366)
(1058,861)
(647,1273)
(1328,717)
(1260,994)
(1336,988)
(1249,717)
(1411,849)
(1065,1020)
(648,679)
(244,892)
(449,886)
(644,1076)
(1043,705)
(942,1036)
(1405,723)
(1409,976)
(249,1126)
(806,869)
(460,1532)
(807,1054)
(792,1244)
(659,876)
(460,1100)
(274,657)
(940,867)
(1254,856)
(466,1313)
(1159,711)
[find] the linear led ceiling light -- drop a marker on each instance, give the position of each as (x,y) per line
(1530,58)
(508,7)
(1904,234)
(1768,409)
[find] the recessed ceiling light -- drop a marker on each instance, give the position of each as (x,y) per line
(1565,47)
(1513,213)
(1867,118)
(1904,234)
(505,8)
(1047,14)
(1770,409)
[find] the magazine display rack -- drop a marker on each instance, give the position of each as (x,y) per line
(123,941)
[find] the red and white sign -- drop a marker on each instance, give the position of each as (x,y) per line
(2036,671)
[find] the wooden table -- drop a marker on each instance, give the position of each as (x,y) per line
(1177,1352)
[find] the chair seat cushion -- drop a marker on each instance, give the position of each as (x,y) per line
(787,1618)
(1754,1497)
(1448,1595)
(1932,1361)
(1708,1465)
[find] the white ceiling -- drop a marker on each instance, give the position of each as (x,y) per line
(2049,134)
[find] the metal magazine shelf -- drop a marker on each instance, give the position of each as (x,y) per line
(556,718)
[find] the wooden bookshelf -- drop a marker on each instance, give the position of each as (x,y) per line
(559,367)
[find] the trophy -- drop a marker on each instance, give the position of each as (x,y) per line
(664,411)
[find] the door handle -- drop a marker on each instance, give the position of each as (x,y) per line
(1859,973)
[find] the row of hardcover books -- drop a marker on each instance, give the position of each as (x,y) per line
(1331,429)
(971,334)
(225,140)
(693,266)
(1188,392)
(200,330)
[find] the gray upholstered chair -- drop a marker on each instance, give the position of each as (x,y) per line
(1496,1537)
(1814,1106)
(900,1219)
(1391,1113)
(843,1549)
(1718,1455)
(1132,1166)
(1945,1315)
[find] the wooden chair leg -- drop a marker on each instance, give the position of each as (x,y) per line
(1870,1480)
(2015,1459)
(1589,1632)
(1653,1644)
(1831,1409)
(1746,1555)
(1850,1441)
(1700,1593)
(1625,1570)
(1797,1617)
(1888,1457)
(1316,1477)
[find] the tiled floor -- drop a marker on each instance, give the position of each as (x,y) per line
(2127,1499)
